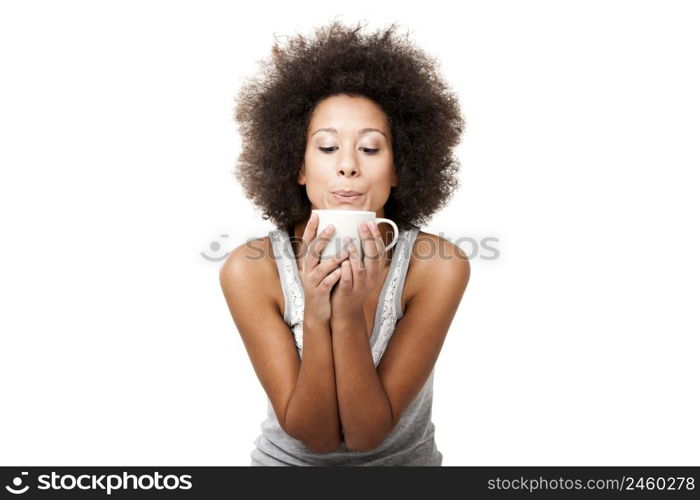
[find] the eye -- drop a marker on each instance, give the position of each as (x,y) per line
(369,151)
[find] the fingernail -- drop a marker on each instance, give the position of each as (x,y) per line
(373,224)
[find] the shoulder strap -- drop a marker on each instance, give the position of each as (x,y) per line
(403,270)
(391,304)
(277,238)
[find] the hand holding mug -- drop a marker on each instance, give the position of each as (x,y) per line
(318,278)
(361,273)
(346,223)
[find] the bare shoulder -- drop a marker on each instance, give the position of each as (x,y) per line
(252,266)
(249,259)
(435,260)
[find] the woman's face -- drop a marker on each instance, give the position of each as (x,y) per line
(348,148)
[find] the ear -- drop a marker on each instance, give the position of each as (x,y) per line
(394,178)
(301,178)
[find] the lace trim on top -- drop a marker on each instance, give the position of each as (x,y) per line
(294,292)
(391,309)
(291,283)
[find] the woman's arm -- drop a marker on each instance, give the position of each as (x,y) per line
(302,393)
(371,402)
(365,411)
(312,411)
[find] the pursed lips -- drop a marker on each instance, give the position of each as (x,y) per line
(346,193)
(347,196)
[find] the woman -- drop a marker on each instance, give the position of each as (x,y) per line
(345,348)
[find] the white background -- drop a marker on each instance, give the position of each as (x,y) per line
(578,345)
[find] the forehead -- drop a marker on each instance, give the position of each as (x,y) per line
(348,113)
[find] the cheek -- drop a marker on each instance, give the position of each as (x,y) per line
(317,180)
(380,190)
(382,178)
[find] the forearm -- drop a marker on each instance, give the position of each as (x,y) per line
(312,410)
(365,412)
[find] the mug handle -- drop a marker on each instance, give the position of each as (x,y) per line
(379,220)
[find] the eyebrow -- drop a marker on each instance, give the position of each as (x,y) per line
(360,132)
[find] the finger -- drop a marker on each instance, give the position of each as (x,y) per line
(329,265)
(310,229)
(368,246)
(356,264)
(316,246)
(328,282)
(376,243)
(381,253)
(308,236)
(345,275)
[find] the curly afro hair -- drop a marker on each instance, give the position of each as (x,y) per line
(273,110)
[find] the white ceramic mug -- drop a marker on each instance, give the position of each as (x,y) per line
(346,223)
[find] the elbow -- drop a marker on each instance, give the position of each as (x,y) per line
(369,438)
(312,439)
(319,443)
(323,445)
(362,443)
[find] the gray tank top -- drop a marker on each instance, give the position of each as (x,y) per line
(412,441)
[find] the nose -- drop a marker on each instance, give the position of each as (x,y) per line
(348,167)
(349,171)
